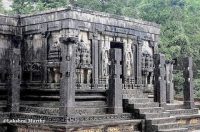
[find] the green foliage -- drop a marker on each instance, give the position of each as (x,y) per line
(28,6)
(178,83)
(88,4)
(2,10)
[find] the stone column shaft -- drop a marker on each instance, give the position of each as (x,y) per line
(14,81)
(133,65)
(188,85)
(67,83)
(100,60)
(169,81)
(160,82)
(95,73)
(115,82)
(139,72)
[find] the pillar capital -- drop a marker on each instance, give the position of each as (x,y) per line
(67,40)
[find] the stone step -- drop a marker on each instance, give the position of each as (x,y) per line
(143,105)
(132,91)
(55,111)
(183,112)
(3,97)
(56,104)
(102,126)
(161,120)
(138,100)
(3,108)
(93,104)
(58,97)
(149,110)
(167,126)
(76,119)
(155,115)
(4,115)
(128,96)
(91,92)
(175,130)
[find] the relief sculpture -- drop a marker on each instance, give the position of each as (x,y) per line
(147,67)
(128,61)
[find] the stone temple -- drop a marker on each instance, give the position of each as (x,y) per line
(72,69)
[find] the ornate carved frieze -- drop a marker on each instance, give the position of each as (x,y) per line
(57,119)
(32,71)
(32,66)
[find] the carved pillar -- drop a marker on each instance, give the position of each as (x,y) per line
(67,83)
(44,55)
(14,81)
(169,81)
(188,86)
(139,58)
(106,47)
(95,49)
(115,82)
(133,66)
(160,82)
(100,61)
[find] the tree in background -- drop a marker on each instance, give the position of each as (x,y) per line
(1,7)
(28,6)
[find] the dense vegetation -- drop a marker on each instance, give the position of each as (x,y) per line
(179,19)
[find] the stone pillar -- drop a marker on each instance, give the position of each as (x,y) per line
(139,55)
(67,82)
(115,82)
(169,81)
(133,66)
(160,82)
(95,63)
(14,81)
(188,86)
(100,61)
(44,54)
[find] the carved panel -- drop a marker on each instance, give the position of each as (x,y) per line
(128,59)
(193,121)
(105,56)
(146,47)
(31,71)
(83,37)
(181,121)
(33,48)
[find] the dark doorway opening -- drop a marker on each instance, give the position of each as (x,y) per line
(119,45)
(116,45)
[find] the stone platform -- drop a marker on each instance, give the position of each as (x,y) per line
(105,126)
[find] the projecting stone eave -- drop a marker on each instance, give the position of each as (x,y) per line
(68,8)
(97,14)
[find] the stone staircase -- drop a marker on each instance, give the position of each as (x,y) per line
(87,102)
(156,118)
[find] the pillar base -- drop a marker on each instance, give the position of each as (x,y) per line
(162,105)
(67,111)
(13,107)
(116,110)
(189,105)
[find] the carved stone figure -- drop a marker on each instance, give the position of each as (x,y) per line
(128,60)
(84,66)
(54,52)
(105,62)
(147,69)
(129,63)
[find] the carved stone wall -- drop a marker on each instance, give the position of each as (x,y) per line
(9,39)
(37,37)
